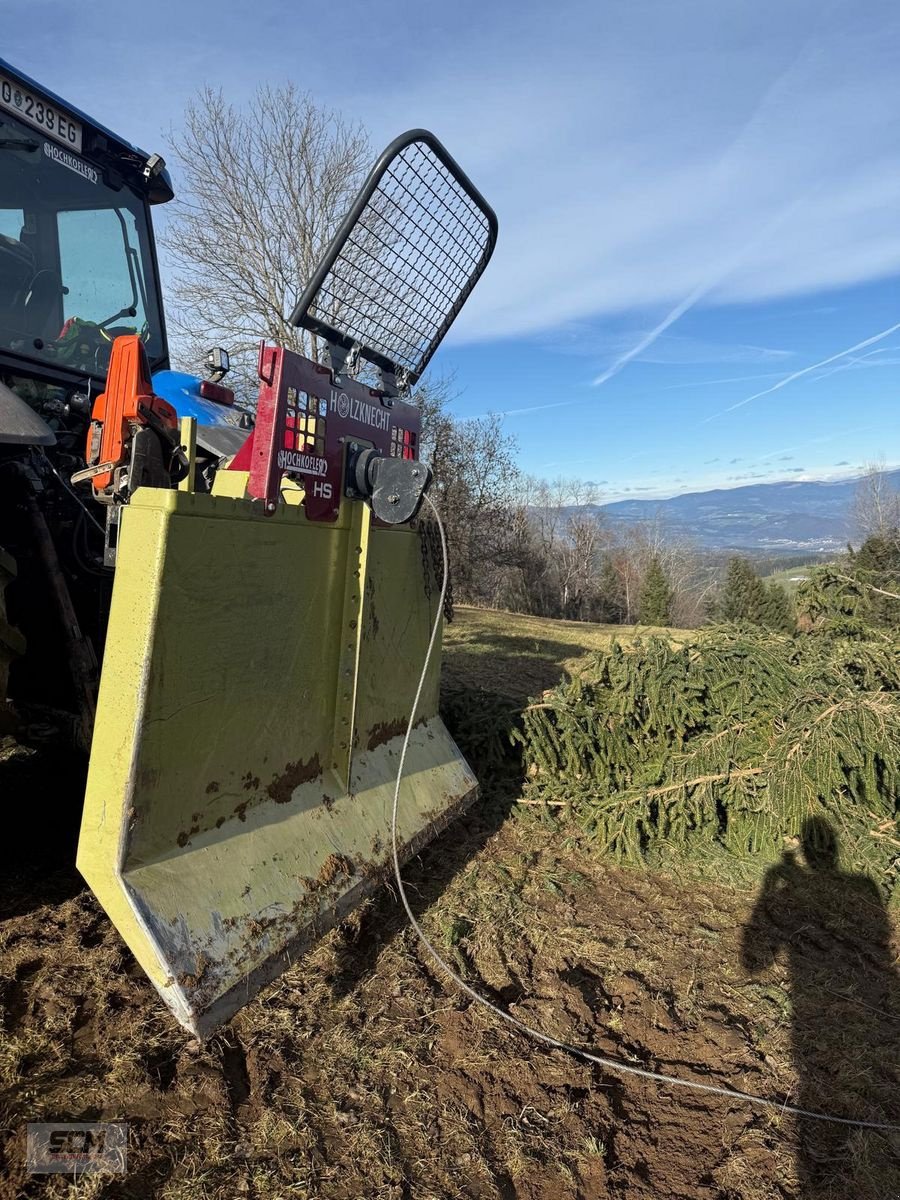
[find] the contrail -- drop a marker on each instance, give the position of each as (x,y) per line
(673,387)
(649,338)
(878,337)
(863,361)
(712,281)
(517,412)
(816,441)
(714,278)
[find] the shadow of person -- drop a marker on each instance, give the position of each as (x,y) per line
(833,929)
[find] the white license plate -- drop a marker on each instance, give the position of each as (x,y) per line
(37,111)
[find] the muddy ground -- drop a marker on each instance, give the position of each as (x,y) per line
(361,1073)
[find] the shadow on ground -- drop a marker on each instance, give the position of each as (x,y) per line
(41,792)
(835,936)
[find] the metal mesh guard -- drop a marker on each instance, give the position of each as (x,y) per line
(404,260)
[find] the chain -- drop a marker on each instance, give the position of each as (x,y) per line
(439,558)
(426,557)
(433,564)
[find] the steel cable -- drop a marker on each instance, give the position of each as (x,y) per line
(610,1064)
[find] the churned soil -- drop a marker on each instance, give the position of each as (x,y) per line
(363,1073)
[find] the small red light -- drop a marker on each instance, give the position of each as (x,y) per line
(215,391)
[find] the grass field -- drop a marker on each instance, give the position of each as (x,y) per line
(520,656)
(361,1073)
(790,579)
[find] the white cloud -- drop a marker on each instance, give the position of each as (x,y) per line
(587,339)
(650,156)
(642,154)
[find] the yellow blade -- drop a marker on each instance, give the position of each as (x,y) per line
(256,685)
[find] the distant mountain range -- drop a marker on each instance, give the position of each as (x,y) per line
(771,517)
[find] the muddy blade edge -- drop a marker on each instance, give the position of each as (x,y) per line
(252,708)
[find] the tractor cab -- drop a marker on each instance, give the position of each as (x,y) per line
(77,259)
(78,267)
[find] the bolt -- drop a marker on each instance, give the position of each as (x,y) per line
(393,499)
(415,473)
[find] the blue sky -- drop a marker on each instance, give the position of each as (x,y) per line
(697,201)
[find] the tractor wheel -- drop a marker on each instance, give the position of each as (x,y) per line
(12,644)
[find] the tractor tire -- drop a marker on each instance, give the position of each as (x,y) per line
(12,644)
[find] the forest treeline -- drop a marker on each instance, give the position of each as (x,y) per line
(547,549)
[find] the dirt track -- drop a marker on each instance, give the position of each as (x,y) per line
(359,1074)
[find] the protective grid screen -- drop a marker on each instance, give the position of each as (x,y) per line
(407,266)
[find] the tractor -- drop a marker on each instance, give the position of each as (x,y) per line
(226,608)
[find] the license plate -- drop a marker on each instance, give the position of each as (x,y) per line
(40,113)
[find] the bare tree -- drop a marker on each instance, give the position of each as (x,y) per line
(876,505)
(476,488)
(639,544)
(580,550)
(568,536)
(584,567)
(264,188)
(691,580)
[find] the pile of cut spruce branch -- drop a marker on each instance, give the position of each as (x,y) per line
(735,738)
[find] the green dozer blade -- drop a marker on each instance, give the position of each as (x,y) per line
(257,683)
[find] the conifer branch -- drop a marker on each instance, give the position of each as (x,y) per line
(870,586)
(683,784)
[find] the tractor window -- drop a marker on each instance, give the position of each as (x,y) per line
(11,222)
(76,258)
(100,267)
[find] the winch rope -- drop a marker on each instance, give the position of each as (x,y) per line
(610,1064)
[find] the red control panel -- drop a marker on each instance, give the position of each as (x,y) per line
(306,418)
